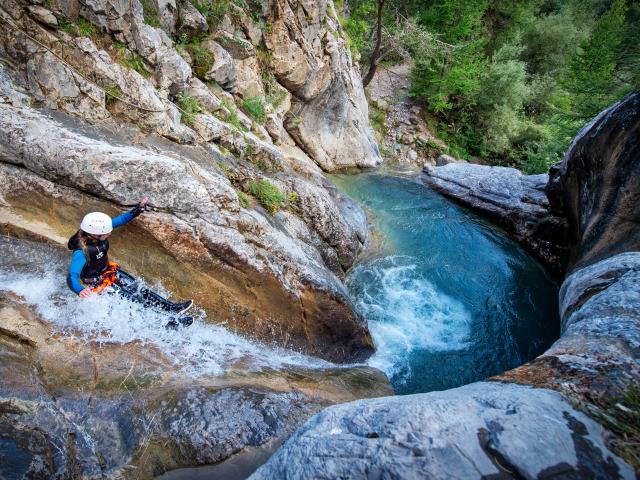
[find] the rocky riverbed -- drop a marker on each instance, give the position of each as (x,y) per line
(229,121)
(529,422)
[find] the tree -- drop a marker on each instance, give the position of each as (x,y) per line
(377,52)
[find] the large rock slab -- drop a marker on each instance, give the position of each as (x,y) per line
(514,201)
(597,185)
(478,431)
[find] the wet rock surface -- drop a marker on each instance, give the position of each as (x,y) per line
(263,276)
(234,243)
(74,408)
(512,200)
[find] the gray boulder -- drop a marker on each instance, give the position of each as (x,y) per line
(597,185)
(173,72)
(112,15)
(328,118)
(167,14)
(514,201)
(191,20)
(50,78)
(477,431)
(43,15)
(446,159)
(223,70)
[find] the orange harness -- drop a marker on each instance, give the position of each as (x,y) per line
(108,278)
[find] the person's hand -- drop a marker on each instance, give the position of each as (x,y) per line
(140,207)
(85,293)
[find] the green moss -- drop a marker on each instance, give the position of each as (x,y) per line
(135,62)
(255,107)
(243,198)
(275,94)
(79,28)
(233,118)
(377,117)
(268,195)
(225,169)
(213,10)
(150,13)
(189,107)
(112,92)
(202,58)
(129,59)
(621,416)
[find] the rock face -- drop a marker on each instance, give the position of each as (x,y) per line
(71,408)
(597,186)
(469,432)
(498,428)
(328,118)
(242,253)
(514,201)
(275,276)
(399,122)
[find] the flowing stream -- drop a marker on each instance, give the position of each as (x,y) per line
(449,298)
(36,272)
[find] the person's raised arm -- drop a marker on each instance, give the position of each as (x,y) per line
(126,217)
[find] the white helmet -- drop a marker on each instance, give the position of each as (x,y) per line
(96,223)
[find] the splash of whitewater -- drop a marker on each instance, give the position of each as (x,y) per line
(202,349)
(406,313)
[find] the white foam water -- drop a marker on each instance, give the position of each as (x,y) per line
(201,349)
(406,313)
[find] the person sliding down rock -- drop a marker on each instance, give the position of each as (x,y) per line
(91,272)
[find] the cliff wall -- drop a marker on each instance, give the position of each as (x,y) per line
(227,118)
(563,415)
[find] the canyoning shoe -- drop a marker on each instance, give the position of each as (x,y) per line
(176,322)
(179,307)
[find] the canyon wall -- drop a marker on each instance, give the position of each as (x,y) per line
(560,415)
(104,102)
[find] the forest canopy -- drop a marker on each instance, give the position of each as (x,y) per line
(511,82)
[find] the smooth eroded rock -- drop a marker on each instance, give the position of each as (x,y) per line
(514,201)
(597,185)
(478,431)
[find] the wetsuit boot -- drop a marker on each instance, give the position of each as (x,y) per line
(130,288)
(178,307)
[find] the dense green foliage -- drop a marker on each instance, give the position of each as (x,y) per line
(189,107)
(512,82)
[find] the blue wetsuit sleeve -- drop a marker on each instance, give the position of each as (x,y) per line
(123,219)
(77,262)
